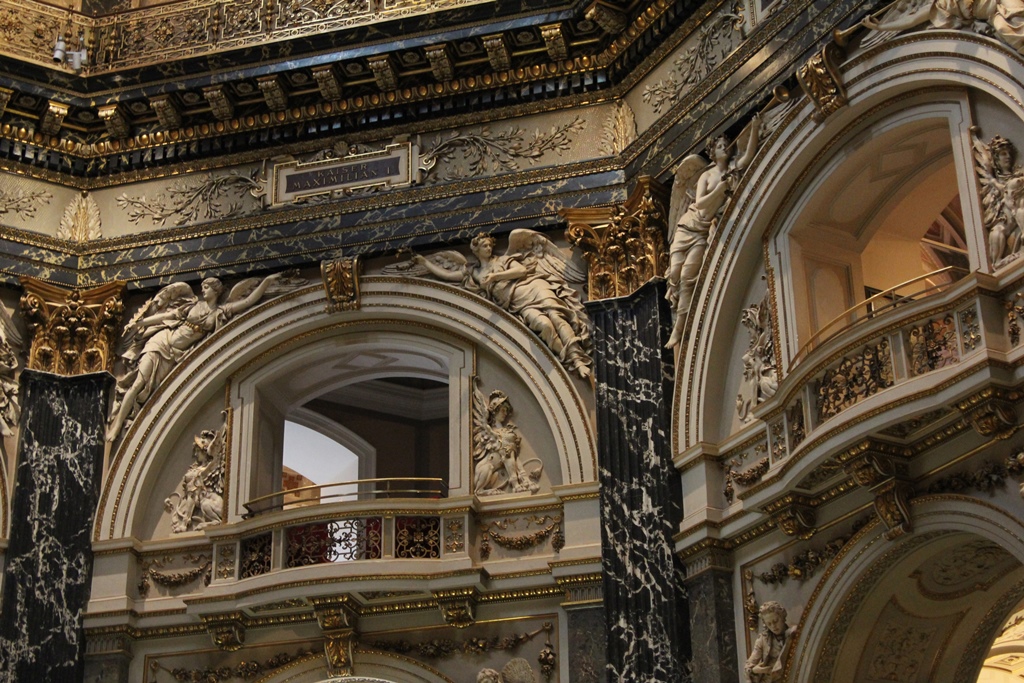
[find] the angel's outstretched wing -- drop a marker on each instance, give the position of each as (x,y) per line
(483,433)
(172,296)
(991,188)
(451,261)
(684,187)
(549,259)
(898,14)
(213,473)
(287,281)
(9,332)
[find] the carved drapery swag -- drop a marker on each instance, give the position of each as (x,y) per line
(624,245)
(71,331)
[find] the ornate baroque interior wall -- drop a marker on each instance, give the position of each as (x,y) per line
(671,341)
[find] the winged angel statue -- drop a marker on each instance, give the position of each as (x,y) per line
(1003,18)
(496,442)
(702,188)
(170,325)
(1002,196)
(531,280)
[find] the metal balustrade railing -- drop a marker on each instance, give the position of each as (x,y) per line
(879,304)
(360,489)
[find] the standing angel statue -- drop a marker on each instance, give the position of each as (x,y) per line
(531,280)
(1004,18)
(170,325)
(201,500)
(703,187)
(1002,196)
(496,442)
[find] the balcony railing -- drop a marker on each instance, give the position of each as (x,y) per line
(364,489)
(879,304)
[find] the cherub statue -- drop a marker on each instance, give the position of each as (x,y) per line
(202,488)
(496,442)
(764,665)
(703,188)
(1003,18)
(531,281)
(170,325)
(1002,196)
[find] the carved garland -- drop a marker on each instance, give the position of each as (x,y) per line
(552,527)
(443,648)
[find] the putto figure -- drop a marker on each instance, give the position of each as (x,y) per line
(703,188)
(764,665)
(496,443)
(531,280)
(170,324)
(1002,196)
(201,500)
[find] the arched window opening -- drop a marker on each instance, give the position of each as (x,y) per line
(384,437)
(312,461)
(883,226)
(1004,662)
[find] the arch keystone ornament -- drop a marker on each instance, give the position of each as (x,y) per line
(337,617)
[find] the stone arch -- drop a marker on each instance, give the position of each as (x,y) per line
(436,314)
(368,667)
(924,607)
(920,70)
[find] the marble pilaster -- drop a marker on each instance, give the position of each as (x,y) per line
(712,627)
(589,637)
(49,559)
(639,511)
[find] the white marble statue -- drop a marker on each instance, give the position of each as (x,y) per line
(768,656)
(9,339)
(532,280)
(703,188)
(1002,18)
(200,501)
(496,443)
(170,325)
(1002,196)
(516,670)
(760,376)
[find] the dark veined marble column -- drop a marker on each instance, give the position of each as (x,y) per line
(640,510)
(63,395)
(49,559)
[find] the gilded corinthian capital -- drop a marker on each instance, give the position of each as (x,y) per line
(71,331)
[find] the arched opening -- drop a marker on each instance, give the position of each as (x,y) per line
(883,225)
(925,607)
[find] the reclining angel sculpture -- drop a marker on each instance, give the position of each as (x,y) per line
(704,187)
(170,325)
(531,280)
(1002,18)
(496,443)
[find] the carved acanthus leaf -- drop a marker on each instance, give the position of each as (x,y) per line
(81,220)
(619,129)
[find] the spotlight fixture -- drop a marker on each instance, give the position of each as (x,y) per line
(76,59)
